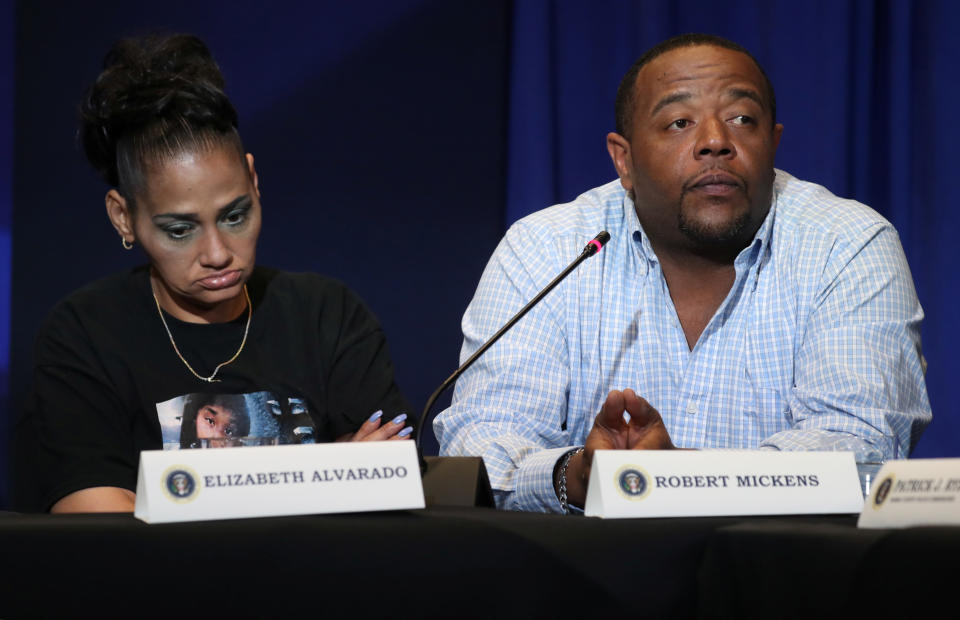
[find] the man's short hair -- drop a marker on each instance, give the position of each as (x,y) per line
(625,104)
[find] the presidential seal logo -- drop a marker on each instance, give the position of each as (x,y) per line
(883,490)
(632,482)
(180,484)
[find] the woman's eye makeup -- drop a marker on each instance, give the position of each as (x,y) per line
(178,232)
(180,227)
(176,228)
(236,216)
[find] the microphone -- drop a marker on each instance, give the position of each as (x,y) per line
(595,245)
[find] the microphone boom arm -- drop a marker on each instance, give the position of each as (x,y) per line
(592,248)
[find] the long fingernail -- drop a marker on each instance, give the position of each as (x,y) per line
(405,432)
(400,418)
(375,416)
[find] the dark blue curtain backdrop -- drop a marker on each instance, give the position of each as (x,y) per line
(863,90)
(6,202)
(396,140)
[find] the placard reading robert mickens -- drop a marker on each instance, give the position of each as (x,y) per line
(667,483)
(702,481)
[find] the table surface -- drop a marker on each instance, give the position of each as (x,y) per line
(468,562)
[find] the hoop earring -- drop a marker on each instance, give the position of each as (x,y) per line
(126,244)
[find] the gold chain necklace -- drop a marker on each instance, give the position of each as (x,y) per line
(212,378)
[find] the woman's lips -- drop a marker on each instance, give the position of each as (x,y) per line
(221,280)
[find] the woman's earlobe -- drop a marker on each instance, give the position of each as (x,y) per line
(119,213)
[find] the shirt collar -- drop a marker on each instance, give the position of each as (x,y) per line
(636,231)
(760,246)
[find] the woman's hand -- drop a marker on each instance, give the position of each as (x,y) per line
(376,430)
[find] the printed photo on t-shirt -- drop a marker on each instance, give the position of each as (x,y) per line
(231,420)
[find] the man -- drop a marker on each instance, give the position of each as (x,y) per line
(739,306)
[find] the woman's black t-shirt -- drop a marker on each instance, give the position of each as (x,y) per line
(108,384)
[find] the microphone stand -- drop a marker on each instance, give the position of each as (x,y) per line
(594,246)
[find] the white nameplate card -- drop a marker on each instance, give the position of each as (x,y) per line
(914,492)
(706,483)
(230,483)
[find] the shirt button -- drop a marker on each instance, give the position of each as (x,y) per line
(691,407)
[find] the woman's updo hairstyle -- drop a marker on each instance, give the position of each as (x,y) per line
(156,98)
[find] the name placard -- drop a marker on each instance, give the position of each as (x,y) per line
(675,483)
(228,483)
(914,492)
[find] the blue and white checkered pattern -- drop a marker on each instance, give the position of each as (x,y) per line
(816,347)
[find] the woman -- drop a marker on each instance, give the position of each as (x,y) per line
(201,318)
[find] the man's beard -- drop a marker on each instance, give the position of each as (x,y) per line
(713,235)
